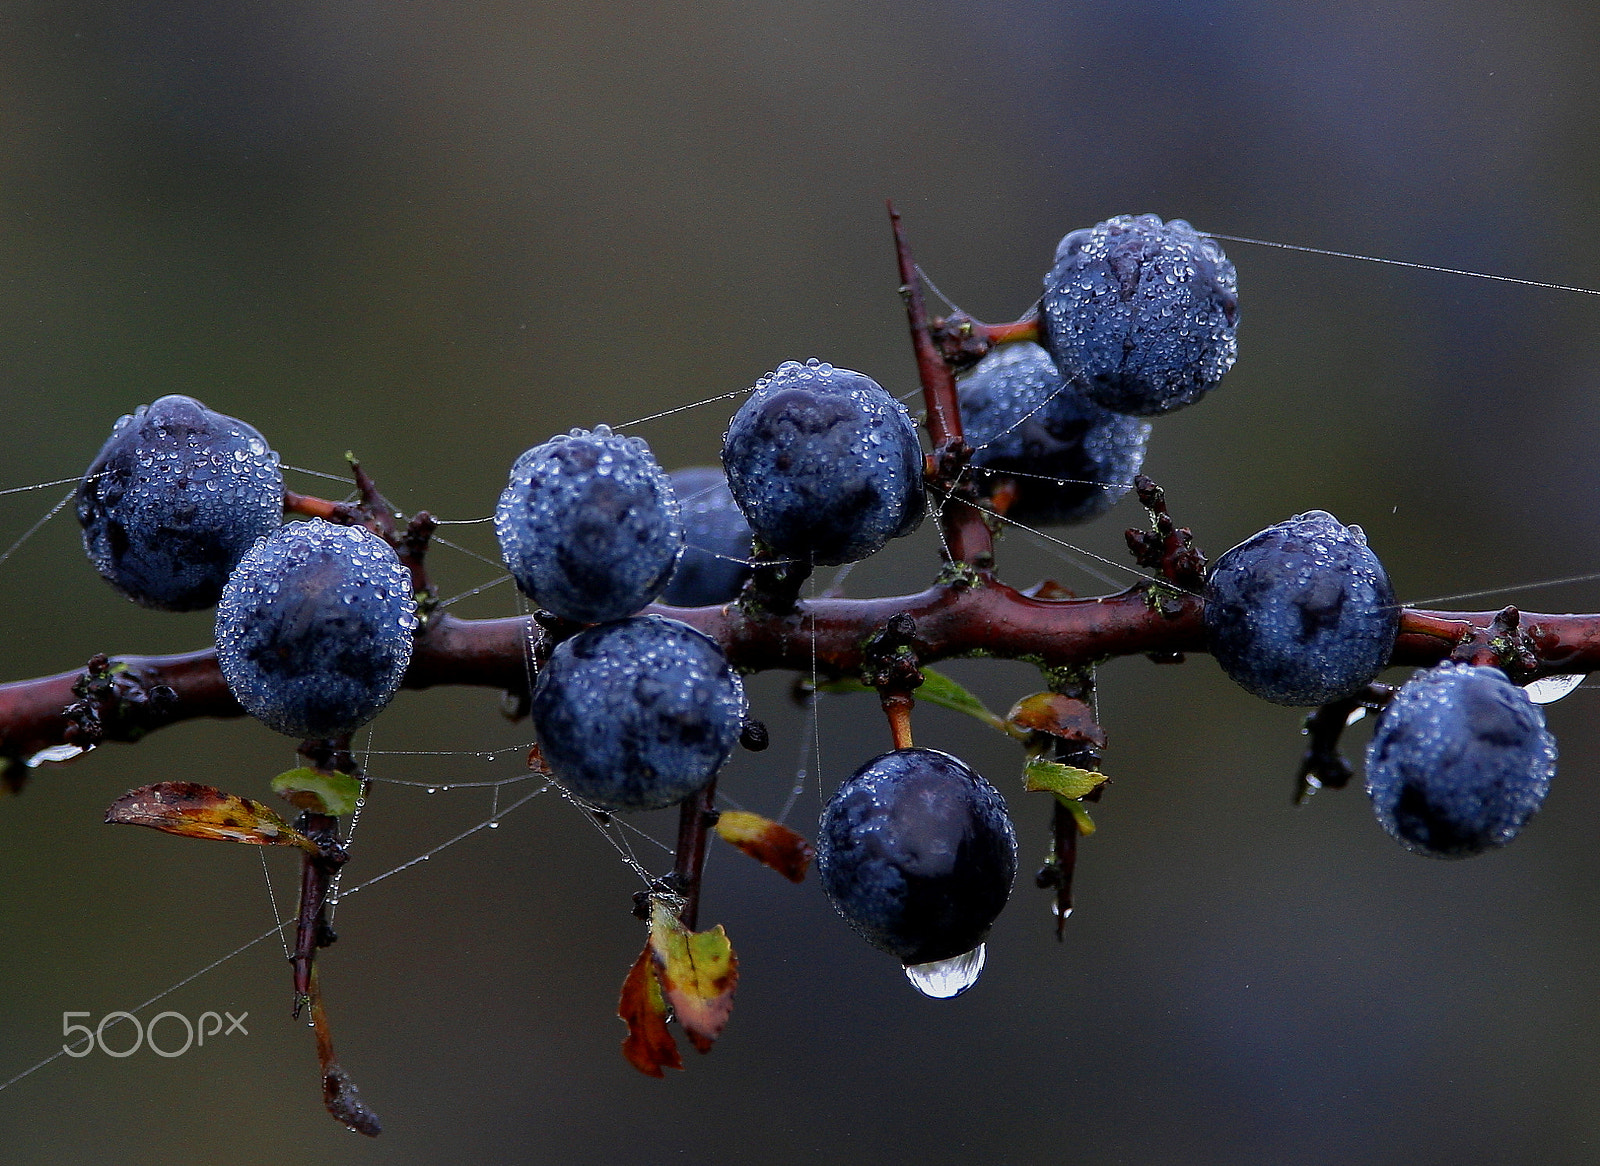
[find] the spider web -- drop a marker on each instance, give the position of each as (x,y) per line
(642,854)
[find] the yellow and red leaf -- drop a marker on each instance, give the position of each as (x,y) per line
(767,842)
(192,810)
(698,973)
(649,1046)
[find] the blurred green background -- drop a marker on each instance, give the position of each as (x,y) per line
(438,233)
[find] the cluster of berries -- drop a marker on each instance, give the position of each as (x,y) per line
(183,509)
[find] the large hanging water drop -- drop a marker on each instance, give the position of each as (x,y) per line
(943,979)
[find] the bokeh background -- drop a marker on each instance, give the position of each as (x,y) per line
(438,233)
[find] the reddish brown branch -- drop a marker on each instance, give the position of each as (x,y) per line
(967,538)
(949,620)
(696,816)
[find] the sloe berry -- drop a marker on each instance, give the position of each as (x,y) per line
(173,499)
(917,853)
(715,562)
(1459,762)
(1140,314)
(824,464)
(1019,414)
(315,626)
(637,714)
(589,525)
(1301,613)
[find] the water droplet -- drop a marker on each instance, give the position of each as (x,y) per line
(54,753)
(1552,688)
(433,789)
(494,825)
(943,979)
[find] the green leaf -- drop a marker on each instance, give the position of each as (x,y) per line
(1080,814)
(1067,782)
(936,688)
(319,790)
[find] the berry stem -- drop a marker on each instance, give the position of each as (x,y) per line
(898,709)
(1026,328)
(310,506)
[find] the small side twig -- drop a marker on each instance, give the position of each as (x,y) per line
(966,535)
(696,817)
(1323,766)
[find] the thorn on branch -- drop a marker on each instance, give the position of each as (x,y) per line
(413,552)
(967,538)
(377,514)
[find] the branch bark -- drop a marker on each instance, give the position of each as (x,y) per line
(961,618)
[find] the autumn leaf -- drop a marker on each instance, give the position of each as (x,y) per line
(767,842)
(698,973)
(199,811)
(1059,716)
(649,1046)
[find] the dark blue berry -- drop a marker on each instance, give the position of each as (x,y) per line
(1062,458)
(917,853)
(589,525)
(1302,613)
(1459,762)
(637,714)
(824,464)
(716,559)
(1141,314)
(315,626)
(173,499)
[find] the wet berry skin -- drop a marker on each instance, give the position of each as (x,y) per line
(314,631)
(716,557)
(1302,613)
(824,464)
(1019,414)
(1141,315)
(588,525)
(1459,762)
(637,714)
(917,853)
(173,499)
